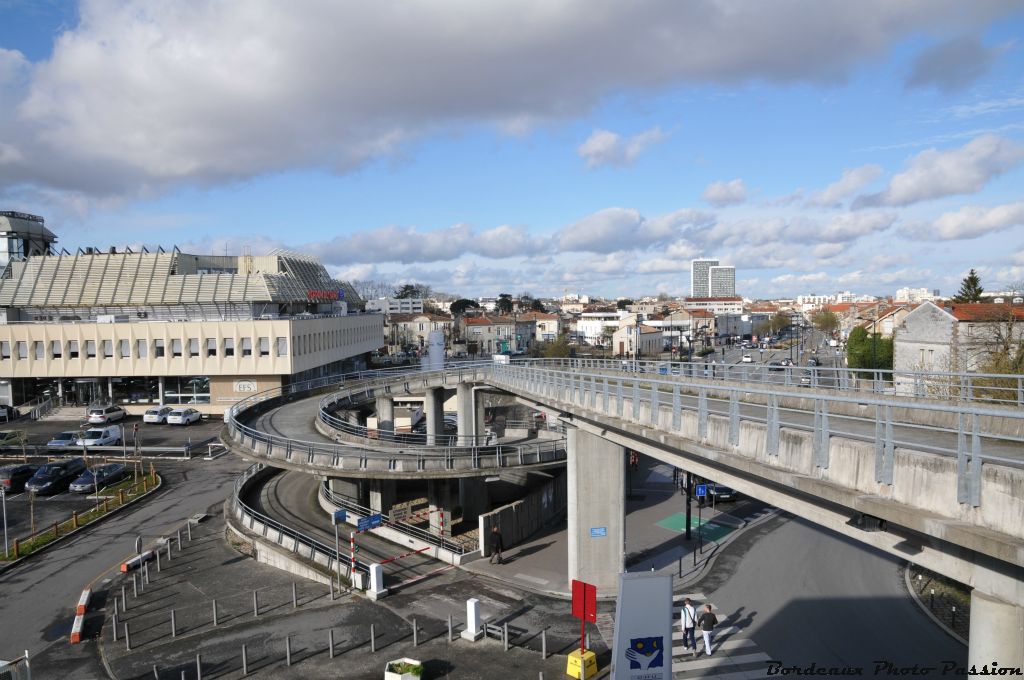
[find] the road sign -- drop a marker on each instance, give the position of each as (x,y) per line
(702,490)
(598,532)
(371,522)
(584,601)
(340,516)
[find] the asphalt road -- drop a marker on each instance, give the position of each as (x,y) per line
(37,597)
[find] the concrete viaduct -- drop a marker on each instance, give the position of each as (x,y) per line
(936,482)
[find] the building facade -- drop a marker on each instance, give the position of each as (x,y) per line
(139,328)
(404,331)
(395,305)
(722,281)
(700,277)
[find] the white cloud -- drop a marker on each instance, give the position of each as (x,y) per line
(613,229)
(972,221)
(851,226)
(725,193)
(603,147)
(852,180)
(934,174)
(146,93)
(662,264)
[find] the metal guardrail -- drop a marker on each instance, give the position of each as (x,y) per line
(991,388)
(311,545)
(415,532)
(609,395)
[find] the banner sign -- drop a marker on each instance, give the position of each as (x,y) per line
(643,628)
(314,294)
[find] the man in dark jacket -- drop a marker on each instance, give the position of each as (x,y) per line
(707,623)
(496,545)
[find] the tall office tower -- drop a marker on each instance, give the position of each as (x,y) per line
(722,281)
(700,277)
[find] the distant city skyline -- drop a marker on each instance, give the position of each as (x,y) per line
(520,149)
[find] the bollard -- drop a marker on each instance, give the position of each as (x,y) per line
(215,612)
(540,676)
(168,550)
(135,584)
(373,641)
(295,597)
(245,662)
(415,641)
(127,637)
(255,604)
(288,650)
(330,643)
(156,672)
(145,574)
(174,626)
(113,628)
(199,667)
(183,676)
(188,528)
(158,561)
(124,600)
(587,638)
(504,635)
(952,620)
(179,540)
(544,644)
(74,520)
(449,628)
(931,600)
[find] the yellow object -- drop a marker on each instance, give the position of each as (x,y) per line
(589,666)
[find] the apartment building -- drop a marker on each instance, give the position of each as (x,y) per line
(412,330)
(395,305)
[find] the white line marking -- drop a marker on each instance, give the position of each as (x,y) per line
(533,579)
(719,660)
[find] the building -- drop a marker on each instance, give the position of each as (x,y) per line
(637,341)
(23,235)
(146,328)
(722,281)
(548,326)
(955,338)
(700,277)
(405,331)
(395,305)
(487,334)
(915,295)
(715,305)
(591,326)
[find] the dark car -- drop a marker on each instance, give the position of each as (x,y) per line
(97,478)
(13,477)
(8,413)
(55,477)
(721,494)
(813,362)
(775,366)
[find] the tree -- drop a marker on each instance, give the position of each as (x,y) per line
(826,321)
(412,290)
(459,307)
(779,321)
(868,352)
(558,348)
(504,305)
(537,306)
(970,288)
(622,304)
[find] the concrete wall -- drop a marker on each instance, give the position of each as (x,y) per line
(519,520)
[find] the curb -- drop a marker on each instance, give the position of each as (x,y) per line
(74,532)
(684,583)
(917,599)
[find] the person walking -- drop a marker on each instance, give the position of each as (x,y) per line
(496,544)
(707,623)
(688,620)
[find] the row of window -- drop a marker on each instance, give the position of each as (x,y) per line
(140,349)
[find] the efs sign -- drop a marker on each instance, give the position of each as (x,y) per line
(315,294)
(245,386)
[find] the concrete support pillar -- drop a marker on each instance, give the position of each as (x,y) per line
(160,389)
(596,509)
(345,487)
(465,403)
(386,416)
(997,633)
(110,390)
(382,494)
(439,501)
(473,498)
(433,411)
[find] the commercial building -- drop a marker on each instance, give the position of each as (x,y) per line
(715,305)
(700,277)
(23,235)
(722,281)
(165,327)
(395,305)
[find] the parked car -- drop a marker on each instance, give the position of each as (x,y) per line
(184,416)
(97,478)
(787,362)
(775,366)
(100,436)
(101,415)
(13,477)
(10,438)
(806,378)
(721,494)
(747,359)
(63,439)
(157,414)
(8,413)
(813,362)
(55,477)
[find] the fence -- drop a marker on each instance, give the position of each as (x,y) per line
(16,669)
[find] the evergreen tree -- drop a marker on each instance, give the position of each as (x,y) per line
(970,288)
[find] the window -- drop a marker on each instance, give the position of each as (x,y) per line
(158,349)
(5,349)
(229,347)
(282,347)
(136,390)
(90,349)
(72,349)
(211,347)
(246,347)
(187,390)
(175,348)
(108,349)
(39,350)
(264,347)
(193,347)
(126,349)
(55,349)
(140,349)
(22,348)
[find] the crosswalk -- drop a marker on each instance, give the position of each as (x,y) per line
(733,656)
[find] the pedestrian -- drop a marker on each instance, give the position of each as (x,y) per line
(688,620)
(707,623)
(496,544)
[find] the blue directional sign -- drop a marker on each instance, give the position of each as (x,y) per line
(371,522)
(702,490)
(376,520)
(340,516)
(363,524)
(598,532)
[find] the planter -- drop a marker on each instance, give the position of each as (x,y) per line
(403,669)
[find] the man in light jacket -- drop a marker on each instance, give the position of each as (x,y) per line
(688,621)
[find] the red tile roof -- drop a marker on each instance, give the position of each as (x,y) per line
(986,311)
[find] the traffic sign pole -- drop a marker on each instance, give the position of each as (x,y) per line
(337,551)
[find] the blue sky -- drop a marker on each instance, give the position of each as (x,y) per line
(581,146)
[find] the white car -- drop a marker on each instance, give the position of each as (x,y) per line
(747,359)
(102,415)
(100,436)
(157,414)
(184,416)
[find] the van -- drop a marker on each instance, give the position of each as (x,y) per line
(100,436)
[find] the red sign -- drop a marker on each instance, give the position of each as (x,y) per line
(314,294)
(584,601)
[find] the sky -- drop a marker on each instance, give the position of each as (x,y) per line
(542,146)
